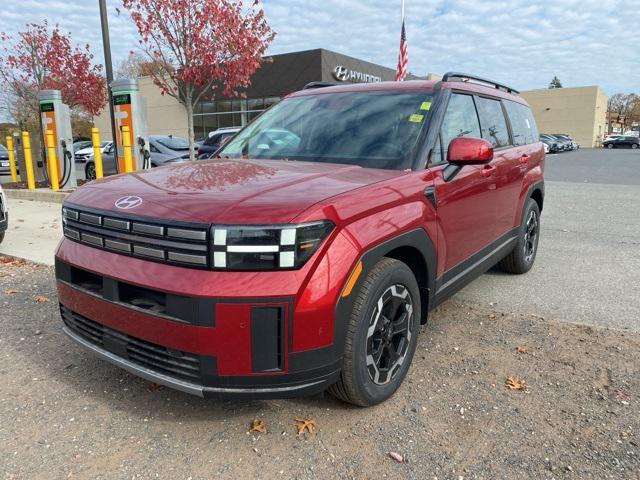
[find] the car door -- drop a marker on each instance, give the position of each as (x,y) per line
(505,172)
(463,196)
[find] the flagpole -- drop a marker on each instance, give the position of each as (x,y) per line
(402,10)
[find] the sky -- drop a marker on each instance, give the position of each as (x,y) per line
(523,43)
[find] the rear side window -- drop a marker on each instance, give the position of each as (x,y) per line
(523,124)
(460,120)
(492,122)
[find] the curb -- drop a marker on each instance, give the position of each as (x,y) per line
(38,195)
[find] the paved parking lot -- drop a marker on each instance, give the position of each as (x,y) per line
(588,265)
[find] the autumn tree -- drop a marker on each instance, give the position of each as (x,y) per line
(555,83)
(199,47)
(40,58)
(623,109)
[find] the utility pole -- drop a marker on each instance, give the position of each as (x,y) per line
(106,45)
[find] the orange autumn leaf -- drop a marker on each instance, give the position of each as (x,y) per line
(258,426)
(40,298)
(514,383)
(306,424)
(522,349)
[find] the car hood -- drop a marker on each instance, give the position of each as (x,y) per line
(84,151)
(228,191)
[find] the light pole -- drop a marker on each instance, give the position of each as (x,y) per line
(106,45)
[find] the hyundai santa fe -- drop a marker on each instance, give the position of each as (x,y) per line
(306,256)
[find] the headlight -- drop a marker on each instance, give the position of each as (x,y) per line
(267,247)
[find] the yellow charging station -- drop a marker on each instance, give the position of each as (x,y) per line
(55,118)
(130,113)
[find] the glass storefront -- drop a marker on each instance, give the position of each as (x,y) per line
(209,116)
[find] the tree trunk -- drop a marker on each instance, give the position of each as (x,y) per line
(189,107)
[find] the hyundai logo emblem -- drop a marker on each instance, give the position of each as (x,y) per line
(341,73)
(130,201)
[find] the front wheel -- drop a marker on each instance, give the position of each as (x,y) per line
(610,146)
(1,236)
(90,171)
(634,145)
(381,335)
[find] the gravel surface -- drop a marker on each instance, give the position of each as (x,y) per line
(66,414)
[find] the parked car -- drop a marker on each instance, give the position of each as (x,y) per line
(215,140)
(168,149)
(622,142)
(164,149)
(563,136)
(4,215)
(567,145)
(81,145)
(309,255)
(4,161)
(85,157)
(552,143)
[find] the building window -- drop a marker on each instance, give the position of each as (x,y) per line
(209,116)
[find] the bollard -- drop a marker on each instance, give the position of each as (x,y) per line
(97,152)
(52,161)
(12,159)
(126,146)
(28,166)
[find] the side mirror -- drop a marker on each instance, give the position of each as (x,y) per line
(469,151)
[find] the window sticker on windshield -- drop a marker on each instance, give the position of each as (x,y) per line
(416,117)
(425,106)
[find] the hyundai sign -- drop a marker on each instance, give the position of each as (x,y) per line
(344,74)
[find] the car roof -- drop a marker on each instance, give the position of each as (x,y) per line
(412,85)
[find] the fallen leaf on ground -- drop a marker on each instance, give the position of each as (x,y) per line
(306,424)
(12,261)
(397,457)
(514,383)
(152,387)
(40,298)
(258,426)
(522,349)
(10,291)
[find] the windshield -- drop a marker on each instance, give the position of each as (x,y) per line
(377,129)
(3,149)
(174,143)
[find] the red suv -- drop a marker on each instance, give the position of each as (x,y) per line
(306,256)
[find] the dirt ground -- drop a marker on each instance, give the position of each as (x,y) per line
(66,414)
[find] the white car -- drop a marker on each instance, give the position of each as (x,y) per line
(85,154)
(4,215)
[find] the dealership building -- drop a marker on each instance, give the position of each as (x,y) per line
(579,112)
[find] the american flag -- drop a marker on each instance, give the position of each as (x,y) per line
(403,58)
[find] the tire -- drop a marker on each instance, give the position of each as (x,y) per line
(523,255)
(2,236)
(634,145)
(90,171)
(610,145)
(363,381)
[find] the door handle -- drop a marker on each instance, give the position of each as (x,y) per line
(524,158)
(487,170)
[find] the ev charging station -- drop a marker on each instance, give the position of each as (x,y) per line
(55,116)
(130,109)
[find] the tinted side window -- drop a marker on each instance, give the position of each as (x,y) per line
(523,124)
(460,120)
(492,122)
(153,148)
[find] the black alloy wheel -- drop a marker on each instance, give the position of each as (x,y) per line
(389,334)
(90,171)
(381,334)
(531,236)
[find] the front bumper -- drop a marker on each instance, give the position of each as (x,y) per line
(258,336)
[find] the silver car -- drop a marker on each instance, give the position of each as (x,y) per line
(163,149)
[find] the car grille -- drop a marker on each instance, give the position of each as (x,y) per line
(175,243)
(173,363)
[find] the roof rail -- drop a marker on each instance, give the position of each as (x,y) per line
(312,85)
(463,77)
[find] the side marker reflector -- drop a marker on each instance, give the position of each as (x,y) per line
(352,279)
